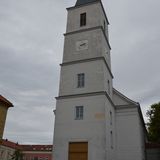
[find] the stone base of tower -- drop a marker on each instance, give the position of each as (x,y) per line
(90,133)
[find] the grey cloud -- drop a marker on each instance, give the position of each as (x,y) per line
(31,48)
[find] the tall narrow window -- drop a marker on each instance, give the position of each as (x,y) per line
(79,112)
(82,19)
(111,139)
(111,119)
(109,88)
(80,80)
(104,26)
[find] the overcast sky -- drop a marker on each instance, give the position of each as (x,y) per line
(31,48)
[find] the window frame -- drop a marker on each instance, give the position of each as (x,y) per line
(79,112)
(81,80)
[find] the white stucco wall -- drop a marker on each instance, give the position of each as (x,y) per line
(107,76)
(110,127)
(119,100)
(95,17)
(95,40)
(92,128)
(95,79)
(128,135)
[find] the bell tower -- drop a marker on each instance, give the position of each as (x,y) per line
(84,107)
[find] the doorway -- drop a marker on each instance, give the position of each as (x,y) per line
(78,151)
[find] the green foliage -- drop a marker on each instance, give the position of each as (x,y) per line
(18,155)
(154,122)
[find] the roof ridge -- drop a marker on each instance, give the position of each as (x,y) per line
(83,2)
(125,97)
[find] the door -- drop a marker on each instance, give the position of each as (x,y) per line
(78,151)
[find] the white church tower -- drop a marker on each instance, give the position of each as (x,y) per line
(93,120)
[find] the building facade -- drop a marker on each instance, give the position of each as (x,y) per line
(30,152)
(7,149)
(4,105)
(93,120)
(37,152)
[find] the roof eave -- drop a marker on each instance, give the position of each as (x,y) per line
(5,101)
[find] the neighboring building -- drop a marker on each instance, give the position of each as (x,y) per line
(153,151)
(4,105)
(7,149)
(30,152)
(93,120)
(37,152)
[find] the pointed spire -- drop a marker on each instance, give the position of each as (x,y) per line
(82,2)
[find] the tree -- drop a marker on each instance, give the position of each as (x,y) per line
(154,123)
(17,155)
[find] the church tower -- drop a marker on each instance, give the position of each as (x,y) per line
(93,121)
(84,107)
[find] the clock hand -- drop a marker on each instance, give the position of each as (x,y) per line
(82,44)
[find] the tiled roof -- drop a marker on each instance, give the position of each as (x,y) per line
(4,100)
(37,147)
(11,144)
(82,2)
(26,147)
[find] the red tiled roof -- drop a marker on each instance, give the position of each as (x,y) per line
(26,147)
(37,147)
(11,144)
(152,145)
(4,100)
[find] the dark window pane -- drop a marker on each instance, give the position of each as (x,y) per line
(79,112)
(104,26)
(81,80)
(83,19)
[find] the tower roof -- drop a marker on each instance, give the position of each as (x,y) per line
(82,2)
(5,101)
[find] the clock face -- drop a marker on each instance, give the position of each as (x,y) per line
(82,45)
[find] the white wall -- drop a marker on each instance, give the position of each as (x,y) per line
(95,79)
(92,128)
(95,17)
(94,38)
(110,126)
(128,135)
(97,46)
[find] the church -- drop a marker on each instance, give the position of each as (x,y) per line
(93,120)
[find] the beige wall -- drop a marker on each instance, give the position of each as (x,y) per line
(3,114)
